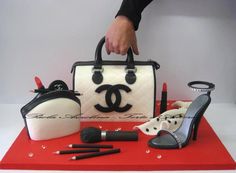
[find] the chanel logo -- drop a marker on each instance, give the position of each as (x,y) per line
(58,87)
(113,106)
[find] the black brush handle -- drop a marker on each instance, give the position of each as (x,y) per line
(96,154)
(90,146)
(79,151)
(121,136)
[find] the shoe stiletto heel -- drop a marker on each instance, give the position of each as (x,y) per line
(180,138)
(195,129)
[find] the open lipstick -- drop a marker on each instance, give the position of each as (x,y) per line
(38,82)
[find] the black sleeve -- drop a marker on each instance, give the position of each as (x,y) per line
(132,9)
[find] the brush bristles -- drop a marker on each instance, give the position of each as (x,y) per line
(90,135)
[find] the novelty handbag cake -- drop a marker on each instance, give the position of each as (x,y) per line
(54,112)
(116,90)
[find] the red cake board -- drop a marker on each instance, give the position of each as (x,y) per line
(206,153)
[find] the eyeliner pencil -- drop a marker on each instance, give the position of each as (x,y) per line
(102,153)
(77,151)
(89,146)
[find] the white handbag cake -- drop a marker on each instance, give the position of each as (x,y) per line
(53,113)
(116,90)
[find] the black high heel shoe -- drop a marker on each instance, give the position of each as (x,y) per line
(180,138)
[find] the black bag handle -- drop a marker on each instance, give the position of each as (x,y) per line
(98,55)
(97,69)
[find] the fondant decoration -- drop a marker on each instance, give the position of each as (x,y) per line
(116,90)
(77,151)
(181,104)
(168,139)
(110,91)
(208,153)
(96,154)
(93,134)
(90,146)
(168,120)
(52,113)
(202,86)
(163,104)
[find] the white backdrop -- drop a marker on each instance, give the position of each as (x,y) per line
(191,39)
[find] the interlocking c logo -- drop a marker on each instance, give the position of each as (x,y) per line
(113,90)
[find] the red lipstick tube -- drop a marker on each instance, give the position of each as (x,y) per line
(163,105)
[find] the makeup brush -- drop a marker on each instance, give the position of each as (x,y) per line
(92,134)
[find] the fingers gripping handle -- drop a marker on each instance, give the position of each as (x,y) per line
(97,69)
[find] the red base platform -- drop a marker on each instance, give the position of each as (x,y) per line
(207,153)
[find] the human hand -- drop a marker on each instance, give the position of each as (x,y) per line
(121,36)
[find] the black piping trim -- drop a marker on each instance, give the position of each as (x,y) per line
(48,96)
(92,63)
(154,106)
(73,82)
(26,126)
